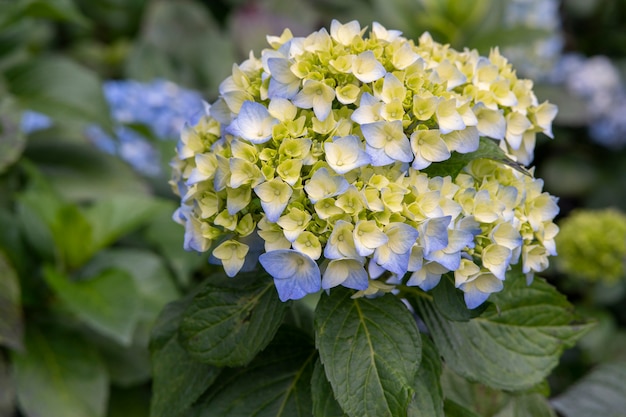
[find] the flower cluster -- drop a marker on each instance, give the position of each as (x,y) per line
(597,83)
(313,161)
(592,245)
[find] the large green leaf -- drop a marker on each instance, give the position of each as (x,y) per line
(600,393)
(114,217)
(487,149)
(152,279)
(428,400)
(11,324)
(527,405)
(449,301)
(277,383)
(108,302)
(59,374)
(61,89)
(489,402)
(324,402)
(515,343)
(177,379)
(79,171)
(232,319)
(370,349)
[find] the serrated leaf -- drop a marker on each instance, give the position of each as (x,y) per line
(107,302)
(277,383)
(449,301)
(324,402)
(515,343)
(487,149)
(11,323)
(232,319)
(177,379)
(600,393)
(61,89)
(428,400)
(59,374)
(370,349)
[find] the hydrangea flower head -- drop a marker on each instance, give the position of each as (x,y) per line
(592,245)
(316,154)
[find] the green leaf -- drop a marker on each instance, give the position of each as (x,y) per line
(600,393)
(474,396)
(73,235)
(59,375)
(428,400)
(11,323)
(450,303)
(324,402)
(370,349)
(527,405)
(167,238)
(487,149)
(12,139)
(232,319)
(80,172)
(129,402)
(62,10)
(108,302)
(277,383)
(515,343)
(177,379)
(152,279)
(61,89)
(114,217)
(453,409)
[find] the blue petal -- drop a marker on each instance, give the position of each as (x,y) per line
(295,274)
(475,298)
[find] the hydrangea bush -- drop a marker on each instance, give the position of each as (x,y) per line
(316,157)
(383,183)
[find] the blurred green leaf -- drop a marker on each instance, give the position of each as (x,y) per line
(12,139)
(7,390)
(59,374)
(11,323)
(231,319)
(108,302)
(62,10)
(515,343)
(324,402)
(167,238)
(114,217)
(152,279)
(61,89)
(527,405)
(73,235)
(178,380)
(508,36)
(129,402)
(428,400)
(600,393)
(476,397)
(277,383)
(453,409)
(171,36)
(79,171)
(370,349)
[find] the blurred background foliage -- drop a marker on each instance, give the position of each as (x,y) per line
(92,93)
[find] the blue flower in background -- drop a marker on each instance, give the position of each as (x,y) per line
(161,106)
